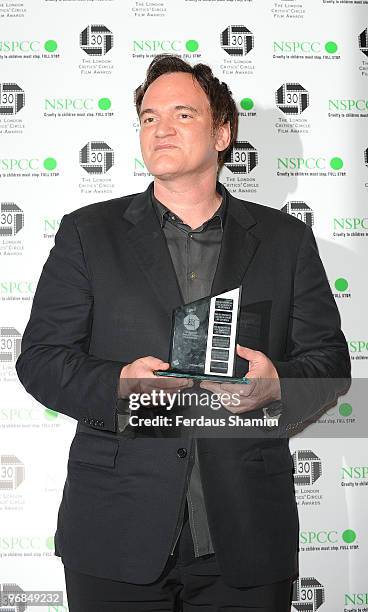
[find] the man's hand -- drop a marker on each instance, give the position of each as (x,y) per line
(138,377)
(263,388)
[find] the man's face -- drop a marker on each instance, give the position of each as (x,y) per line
(176,133)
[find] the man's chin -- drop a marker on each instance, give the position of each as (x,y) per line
(166,174)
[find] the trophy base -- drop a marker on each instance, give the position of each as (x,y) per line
(214,377)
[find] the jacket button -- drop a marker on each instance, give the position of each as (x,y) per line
(181,452)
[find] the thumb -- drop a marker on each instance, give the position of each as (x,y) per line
(247,353)
(155,363)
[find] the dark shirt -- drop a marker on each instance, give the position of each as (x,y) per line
(194,253)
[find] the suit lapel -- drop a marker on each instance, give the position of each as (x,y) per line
(151,251)
(238,246)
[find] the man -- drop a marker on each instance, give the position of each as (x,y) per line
(151,523)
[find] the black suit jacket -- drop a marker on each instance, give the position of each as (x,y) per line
(105,298)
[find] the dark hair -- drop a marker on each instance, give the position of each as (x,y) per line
(223,107)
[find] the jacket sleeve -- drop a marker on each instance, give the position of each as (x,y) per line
(55,366)
(317,366)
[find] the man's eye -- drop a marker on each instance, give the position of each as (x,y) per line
(148,120)
(185,115)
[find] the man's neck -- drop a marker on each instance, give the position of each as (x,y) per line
(192,201)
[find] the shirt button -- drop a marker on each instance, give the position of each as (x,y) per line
(181,452)
(193,275)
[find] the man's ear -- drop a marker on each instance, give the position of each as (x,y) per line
(223,136)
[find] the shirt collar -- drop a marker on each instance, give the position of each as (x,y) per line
(163,212)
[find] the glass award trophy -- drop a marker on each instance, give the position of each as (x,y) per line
(203,339)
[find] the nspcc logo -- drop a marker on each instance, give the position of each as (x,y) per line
(96,157)
(292,98)
(308,467)
(11,98)
(96,40)
(363,42)
(11,219)
(165,45)
(241,158)
(11,472)
(310,163)
(300,210)
(27,165)
(237,40)
(308,595)
(303,46)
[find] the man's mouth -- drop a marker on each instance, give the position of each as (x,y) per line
(164,146)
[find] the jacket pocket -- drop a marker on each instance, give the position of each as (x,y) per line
(94,450)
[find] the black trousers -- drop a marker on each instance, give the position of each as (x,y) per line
(187,584)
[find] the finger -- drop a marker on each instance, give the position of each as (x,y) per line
(167,382)
(253,375)
(212,386)
(218,387)
(246,406)
(248,389)
(246,352)
(177,382)
(154,363)
(232,388)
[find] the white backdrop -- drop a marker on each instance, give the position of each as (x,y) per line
(299,73)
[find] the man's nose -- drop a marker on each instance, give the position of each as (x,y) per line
(165,127)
